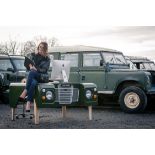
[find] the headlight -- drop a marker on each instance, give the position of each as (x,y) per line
(43,90)
(49,95)
(95,89)
(88,94)
(148,80)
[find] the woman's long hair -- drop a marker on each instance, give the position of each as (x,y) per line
(45,48)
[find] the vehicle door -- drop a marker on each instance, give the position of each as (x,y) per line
(91,71)
(74,65)
(7,67)
(117,69)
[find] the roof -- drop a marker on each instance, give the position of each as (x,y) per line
(79,48)
(17,56)
(139,59)
(3,56)
(12,56)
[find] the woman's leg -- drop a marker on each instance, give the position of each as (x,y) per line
(31,90)
(31,76)
(30,94)
(23,94)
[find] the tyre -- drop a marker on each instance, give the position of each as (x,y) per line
(132,100)
(17,117)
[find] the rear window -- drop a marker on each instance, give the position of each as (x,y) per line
(91,59)
(73,58)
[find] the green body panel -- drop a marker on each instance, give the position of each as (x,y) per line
(114,78)
(109,81)
(94,75)
(38,96)
(14,93)
(74,76)
(82,99)
(42,88)
(107,77)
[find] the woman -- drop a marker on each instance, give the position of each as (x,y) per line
(41,65)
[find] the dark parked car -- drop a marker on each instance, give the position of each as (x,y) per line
(11,70)
(142,63)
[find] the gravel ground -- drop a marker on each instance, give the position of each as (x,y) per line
(77,118)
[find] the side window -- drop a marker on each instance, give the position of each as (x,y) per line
(142,66)
(91,59)
(73,58)
(152,66)
(147,66)
(5,64)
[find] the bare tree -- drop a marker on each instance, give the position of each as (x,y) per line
(38,39)
(2,49)
(51,42)
(14,47)
(28,47)
(10,47)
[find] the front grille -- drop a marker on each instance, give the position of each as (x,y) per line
(66,94)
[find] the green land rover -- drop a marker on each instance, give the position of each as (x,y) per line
(109,70)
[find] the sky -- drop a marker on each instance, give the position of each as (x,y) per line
(131,40)
(120,25)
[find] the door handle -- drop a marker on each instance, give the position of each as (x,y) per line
(78,70)
(83,77)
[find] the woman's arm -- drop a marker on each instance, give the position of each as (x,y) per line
(44,66)
(32,67)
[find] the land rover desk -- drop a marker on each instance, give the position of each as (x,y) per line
(55,94)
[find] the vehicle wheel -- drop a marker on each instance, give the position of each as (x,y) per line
(17,117)
(132,99)
(31,117)
(5,99)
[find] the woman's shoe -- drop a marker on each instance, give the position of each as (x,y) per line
(20,99)
(27,107)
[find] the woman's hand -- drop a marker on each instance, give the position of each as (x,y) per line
(32,67)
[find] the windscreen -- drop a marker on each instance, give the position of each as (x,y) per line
(152,66)
(114,58)
(19,63)
(149,66)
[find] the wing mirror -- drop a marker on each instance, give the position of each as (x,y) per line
(102,63)
(105,65)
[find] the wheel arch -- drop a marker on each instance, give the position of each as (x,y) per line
(125,84)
